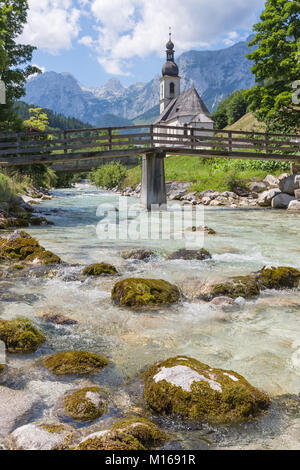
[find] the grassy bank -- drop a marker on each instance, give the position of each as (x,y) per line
(11,186)
(218,174)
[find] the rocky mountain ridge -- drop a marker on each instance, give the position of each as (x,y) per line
(215,74)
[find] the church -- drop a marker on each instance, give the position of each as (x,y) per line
(180,109)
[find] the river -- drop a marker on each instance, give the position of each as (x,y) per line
(259,339)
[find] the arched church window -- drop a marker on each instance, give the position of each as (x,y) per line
(172,89)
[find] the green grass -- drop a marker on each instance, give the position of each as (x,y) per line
(14,182)
(11,186)
(8,191)
(217,174)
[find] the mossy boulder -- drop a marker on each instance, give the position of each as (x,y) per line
(140,293)
(86,404)
(278,277)
(146,432)
(20,336)
(182,386)
(22,247)
(138,254)
(234,287)
(2,368)
(100,269)
(43,256)
(131,433)
(104,440)
(75,362)
(189,255)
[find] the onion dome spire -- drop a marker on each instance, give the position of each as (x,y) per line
(170,68)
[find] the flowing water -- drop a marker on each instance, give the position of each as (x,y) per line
(259,339)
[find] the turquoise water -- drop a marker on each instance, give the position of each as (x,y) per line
(259,339)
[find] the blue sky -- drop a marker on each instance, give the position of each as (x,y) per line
(96,40)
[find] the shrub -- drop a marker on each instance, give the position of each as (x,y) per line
(66,180)
(109,175)
(8,191)
(40,175)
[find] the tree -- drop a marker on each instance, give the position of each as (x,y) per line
(38,120)
(231,109)
(276,65)
(14,58)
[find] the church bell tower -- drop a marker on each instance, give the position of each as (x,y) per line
(170,80)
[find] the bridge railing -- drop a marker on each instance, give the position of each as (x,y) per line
(25,148)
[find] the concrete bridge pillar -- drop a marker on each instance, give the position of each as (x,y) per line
(153,189)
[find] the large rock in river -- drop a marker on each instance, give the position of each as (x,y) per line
(100,269)
(21,246)
(139,293)
(189,255)
(234,287)
(130,433)
(282,201)
(138,254)
(75,362)
(86,404)
(281,277)
(187,388)
(20,336)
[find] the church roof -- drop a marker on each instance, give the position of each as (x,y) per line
(188,103)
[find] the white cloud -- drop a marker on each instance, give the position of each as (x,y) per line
(86,41)
(128,28)
(231,38)
(51,24)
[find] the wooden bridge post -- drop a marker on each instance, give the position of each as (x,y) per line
(267,143)
(65,142)
(18,145)
(230,141)
(109,132)
(153,191)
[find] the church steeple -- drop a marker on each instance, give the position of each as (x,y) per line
(170,81)
(170,68)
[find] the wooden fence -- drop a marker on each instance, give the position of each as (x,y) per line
(60,146)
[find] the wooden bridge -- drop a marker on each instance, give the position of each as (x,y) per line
(153,142)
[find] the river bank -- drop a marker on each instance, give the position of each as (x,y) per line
(257,338)
(232,184)
(279,193)
(18,198)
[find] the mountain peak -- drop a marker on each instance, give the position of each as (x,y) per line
(215,75)
(113,84)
